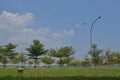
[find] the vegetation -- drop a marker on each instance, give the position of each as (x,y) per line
(62,56)
(35,50)
(7,53)
(61,74)
(72,69)
(48,60)
(95,55)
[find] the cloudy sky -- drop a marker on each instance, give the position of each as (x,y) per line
(59,23)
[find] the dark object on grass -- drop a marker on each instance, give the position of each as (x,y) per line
(20,70)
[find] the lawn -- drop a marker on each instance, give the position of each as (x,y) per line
(61,74)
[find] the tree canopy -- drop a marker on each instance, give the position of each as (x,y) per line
(35,50)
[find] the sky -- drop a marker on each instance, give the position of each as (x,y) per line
(59,23)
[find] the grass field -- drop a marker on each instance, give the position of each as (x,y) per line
(60,74)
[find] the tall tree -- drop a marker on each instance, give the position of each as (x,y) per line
(3,56)
(95,55)
(1,53)
(10,51)
(35,50)
(4,61)
(62,53)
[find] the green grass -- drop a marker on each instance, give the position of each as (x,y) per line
(60,74)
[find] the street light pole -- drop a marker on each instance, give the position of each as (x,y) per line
(91,30)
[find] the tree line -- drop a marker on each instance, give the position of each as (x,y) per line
(62,56)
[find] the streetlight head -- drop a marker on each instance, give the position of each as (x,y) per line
(99,17)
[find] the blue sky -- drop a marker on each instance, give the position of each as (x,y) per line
(59,23)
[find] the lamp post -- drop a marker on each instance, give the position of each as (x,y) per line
(91,30)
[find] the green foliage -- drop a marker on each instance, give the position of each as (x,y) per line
(76,63)
(107,56)
(47,60)
(10,51)
(7,53)
(22,57)
(30,62)
(65,60)
(64,54)
(35,50)
(87,61)
(10,47)
(16,60)
(4,61)
(95,54)
(2,51)
(114,58)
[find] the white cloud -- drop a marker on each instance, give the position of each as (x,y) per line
(14,29)
(57,34)
(64,33)
(77,25)
(80,24)
(70,32)
(11,22)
